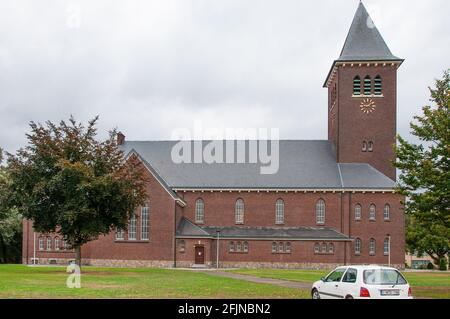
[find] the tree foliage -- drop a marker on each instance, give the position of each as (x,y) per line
(425,176)
(67,182)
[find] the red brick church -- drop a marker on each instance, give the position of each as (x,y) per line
(331,202)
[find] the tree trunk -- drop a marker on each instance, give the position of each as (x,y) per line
(78,255)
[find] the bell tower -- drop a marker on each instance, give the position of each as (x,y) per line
(362,98)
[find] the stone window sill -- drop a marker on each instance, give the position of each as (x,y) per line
(368,95)
(323,253)
(281,253)
(131,241)
(238,252)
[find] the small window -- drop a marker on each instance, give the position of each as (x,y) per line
(357,246)
(378,85)
(41,243)
(274,247)
(49,243)
(331,248)
(199,211)
(367,85)
(245,246)
(231,246)
(182,246)
(357,85)
(239,211)
(288,247)
(372,212)
(324,248)
(279,212)
(370,147)
(358,211)
(320,212)
(57,243)
(364,146)
(387,212)
(280,247)
(316,248)
(372,247)
(238,246)
(350,275)
(132,228)
(119,234)
(386,247)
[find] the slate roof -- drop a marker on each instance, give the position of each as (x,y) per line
(302,165)
(186,229)
(364,42)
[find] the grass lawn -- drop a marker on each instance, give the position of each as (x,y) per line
(19,281)
(424,284)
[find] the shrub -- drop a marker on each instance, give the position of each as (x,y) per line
(443,264)
(430,266)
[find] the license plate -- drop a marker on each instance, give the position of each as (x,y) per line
(390,292)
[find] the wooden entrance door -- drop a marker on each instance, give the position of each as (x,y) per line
(199,255)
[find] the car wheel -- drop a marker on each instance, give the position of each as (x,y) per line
(315,294)
(349,297)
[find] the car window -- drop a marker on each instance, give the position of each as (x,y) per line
(350,275)
(383,277)
(335,276)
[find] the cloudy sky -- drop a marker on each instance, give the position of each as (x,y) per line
(148,67)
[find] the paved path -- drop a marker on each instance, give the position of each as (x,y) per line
(277,282)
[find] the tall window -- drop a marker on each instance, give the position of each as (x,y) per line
(358,210)
(119,234)
(367,85)
(288,247)
(357,246)
(57,243)
(370,146)
(132,228)
(280,247)
(238,246)
(331,248)
(320,212)
(386,246)
(372,212)
(41,243)
(387,212)
(357,85)
(372,246)
(231,246)
(324,248)
(274,247)
(182,246)
(199,211)
(279,212)
(364,146)
(49,243)
(144,222)
(239,211)
(316,248)
(378,85)
(245,246)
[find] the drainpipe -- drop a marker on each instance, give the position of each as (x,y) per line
(217,248)
(389,250)
(34,247)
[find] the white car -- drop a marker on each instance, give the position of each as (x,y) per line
(362,282)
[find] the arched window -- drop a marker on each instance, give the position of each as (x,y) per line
(280,247)
(41,243)
(182,246)
(378,85)
(119,234)
(238,246)
(367,85)
(387,212)
(357,246)
(324,248)
(288,247)
(145,221)
(357,85)
(245,247)
(331,248)
(231,246)
(370,146)
(372,212)
(386,247)
(57,243)
(239,211)
(49,243)
(279,212)
(274,247)
(320,212)
(199,211)
(372,246)
(316,248)
(132,228)
(364,146)
(358,211)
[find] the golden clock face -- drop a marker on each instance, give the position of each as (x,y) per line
(367,106)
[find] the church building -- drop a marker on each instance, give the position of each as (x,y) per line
(331,202)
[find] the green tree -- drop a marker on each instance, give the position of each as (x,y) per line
(69,183)
(425,176)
